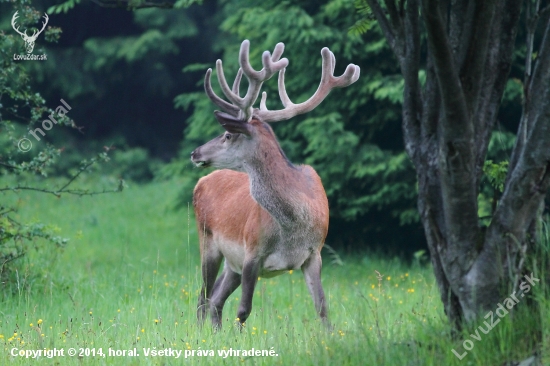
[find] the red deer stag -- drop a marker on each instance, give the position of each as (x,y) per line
(265,216)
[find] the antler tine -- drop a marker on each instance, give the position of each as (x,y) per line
(332,60)
(282,90)
(271,64)
(278,51)
(237,82)
(227,107)
(328,82)
(263,107)
(233,98)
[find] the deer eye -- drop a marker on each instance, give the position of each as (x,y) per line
(228,136)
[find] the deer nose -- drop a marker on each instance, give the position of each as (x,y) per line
(194,154)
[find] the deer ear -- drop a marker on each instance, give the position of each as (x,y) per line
(232,124)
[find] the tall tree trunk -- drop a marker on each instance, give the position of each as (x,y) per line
(447,125)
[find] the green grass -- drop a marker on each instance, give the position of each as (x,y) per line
(129,279)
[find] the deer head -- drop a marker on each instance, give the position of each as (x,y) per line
(246,126)
(29,40)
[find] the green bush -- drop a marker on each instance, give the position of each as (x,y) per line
(21,110)
(134,164)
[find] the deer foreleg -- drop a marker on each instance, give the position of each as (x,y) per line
(251,269)
(224,287)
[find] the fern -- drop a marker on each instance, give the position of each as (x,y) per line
(63,7)
(334,256)
(496,173)
(367,18)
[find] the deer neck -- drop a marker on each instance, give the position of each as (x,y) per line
(276,184)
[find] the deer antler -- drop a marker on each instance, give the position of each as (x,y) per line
(35,35)
(328,82)
(242,107)
(13,19)
(24,34)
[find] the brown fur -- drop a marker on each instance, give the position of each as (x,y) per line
(264,222)
(223,205)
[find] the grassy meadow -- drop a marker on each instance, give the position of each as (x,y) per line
(129,280)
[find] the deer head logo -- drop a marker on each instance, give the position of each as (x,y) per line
(29,40)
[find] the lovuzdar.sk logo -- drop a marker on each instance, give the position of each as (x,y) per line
(29,40)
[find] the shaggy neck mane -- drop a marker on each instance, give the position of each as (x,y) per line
(275,183)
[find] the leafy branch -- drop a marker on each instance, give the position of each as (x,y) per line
(367,20)
(125,4)
(496,173)
(21,106)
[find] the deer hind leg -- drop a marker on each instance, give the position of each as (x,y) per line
(210,262)
(312,274)
(223,288)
